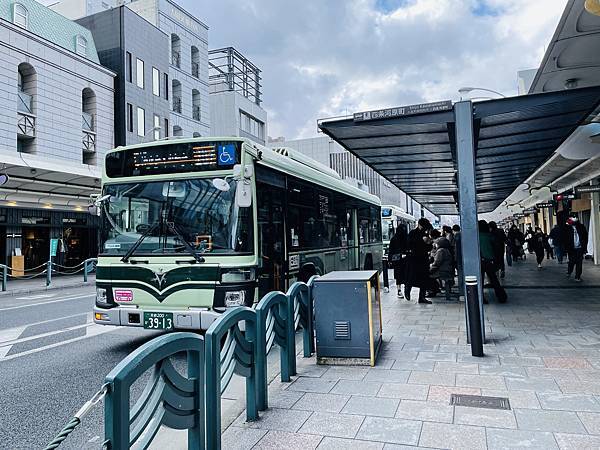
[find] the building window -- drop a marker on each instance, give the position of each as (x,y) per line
(139,73)
(195,62)
(80,45)
(128,67)
(166,127)
(20,15)
(155,82)
(156,127)
(177,107)
(175,50)
(250,125)
(141,122)
(196,114)
(130,117)
(166,77)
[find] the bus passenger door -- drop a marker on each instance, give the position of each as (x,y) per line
(272,274)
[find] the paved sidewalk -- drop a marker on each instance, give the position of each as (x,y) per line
(38,284)
(543,354)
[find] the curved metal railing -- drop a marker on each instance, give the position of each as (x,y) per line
(181,402)
(238,355)
(169,398)
(272,316)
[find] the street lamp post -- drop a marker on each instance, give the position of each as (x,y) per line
(466,90)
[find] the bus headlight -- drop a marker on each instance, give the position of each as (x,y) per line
(235,298)
(237,275)
(101,296)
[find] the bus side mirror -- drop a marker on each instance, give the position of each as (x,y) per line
(93,210)
(243,194)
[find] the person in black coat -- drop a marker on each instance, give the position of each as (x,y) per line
(575,241)
(499,239)
(539,243)
(397,257)
(417,260)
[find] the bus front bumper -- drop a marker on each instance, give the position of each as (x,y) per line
(134,317)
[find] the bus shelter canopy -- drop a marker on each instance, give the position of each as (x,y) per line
(512,137)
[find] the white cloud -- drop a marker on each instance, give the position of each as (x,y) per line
(325,58)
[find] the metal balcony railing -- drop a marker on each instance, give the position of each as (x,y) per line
(176,58)
(25,103)
(177,104)
(88,142)
(25,125)
(87,121)
(195,69)
(196,113)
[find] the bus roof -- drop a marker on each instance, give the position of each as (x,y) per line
(279,158)
(399,212)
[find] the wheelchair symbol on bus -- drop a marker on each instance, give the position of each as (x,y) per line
(226,155)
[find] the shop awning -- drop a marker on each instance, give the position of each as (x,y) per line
(513,136)
(35,182)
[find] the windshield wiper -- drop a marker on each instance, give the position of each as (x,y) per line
(171,226)
(137,243)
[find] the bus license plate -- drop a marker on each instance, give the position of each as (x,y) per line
(158,321)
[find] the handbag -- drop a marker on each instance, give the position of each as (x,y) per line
(396,257)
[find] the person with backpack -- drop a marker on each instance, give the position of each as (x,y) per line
(442,267)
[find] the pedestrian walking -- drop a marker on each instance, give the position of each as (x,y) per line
(417,260)
(397,257)
(539,243)
(488,265)
(516,240)
(442,267)
(576,240)
(556,240)
(499,246)
(529,239)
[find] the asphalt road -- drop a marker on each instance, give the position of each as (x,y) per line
(53,358)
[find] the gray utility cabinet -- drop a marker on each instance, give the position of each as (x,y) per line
(347,317)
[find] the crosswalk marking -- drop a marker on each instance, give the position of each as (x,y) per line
(31,305)
(91,331)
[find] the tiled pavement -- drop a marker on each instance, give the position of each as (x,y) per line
(543,354)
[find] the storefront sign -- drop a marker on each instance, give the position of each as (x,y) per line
(519,215)
(559,197)
(53,247)
(401,111)
(582,189)
(532,210)
(544,205)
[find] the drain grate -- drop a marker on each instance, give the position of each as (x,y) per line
(479,401)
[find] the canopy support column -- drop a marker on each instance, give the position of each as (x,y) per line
(467,206)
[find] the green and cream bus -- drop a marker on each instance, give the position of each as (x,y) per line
(191,227)
(393,219)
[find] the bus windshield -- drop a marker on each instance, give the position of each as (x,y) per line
(159,214)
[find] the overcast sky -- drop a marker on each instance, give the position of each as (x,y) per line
(323,58)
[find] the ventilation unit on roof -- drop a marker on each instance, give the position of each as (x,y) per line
(303,159)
